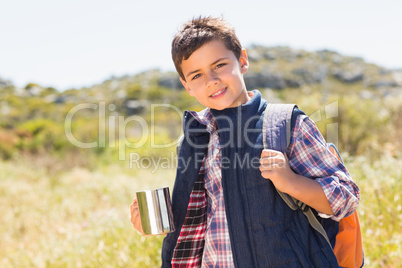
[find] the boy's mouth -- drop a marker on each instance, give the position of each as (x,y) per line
(219,93)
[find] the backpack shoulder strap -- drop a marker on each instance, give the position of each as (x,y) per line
(277,123)
(276,135)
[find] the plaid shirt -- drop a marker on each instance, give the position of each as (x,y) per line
(208,243)
(217,250)
(309,156)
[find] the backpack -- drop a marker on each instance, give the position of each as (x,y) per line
(345,236)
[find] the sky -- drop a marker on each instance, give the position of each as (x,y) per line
(77,43)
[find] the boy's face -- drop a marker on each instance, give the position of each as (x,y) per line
(214,76)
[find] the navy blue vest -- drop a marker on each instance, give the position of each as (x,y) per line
(264,231)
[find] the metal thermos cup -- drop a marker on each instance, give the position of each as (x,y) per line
(156,211)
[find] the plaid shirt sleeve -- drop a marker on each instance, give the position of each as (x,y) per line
(309,156)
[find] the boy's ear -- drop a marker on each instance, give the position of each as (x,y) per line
(185,85)
(243,61)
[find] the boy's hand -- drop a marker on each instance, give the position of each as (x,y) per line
(135,216)
(275,166)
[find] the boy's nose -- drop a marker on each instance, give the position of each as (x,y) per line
(213,80)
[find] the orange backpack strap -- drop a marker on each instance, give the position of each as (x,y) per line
(348,247)
(334,151)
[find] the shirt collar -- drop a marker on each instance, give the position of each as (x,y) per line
(206,118)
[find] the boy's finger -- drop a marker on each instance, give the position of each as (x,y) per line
(271,167)
(131,208)
(266,174)
(270,160)
(269,152)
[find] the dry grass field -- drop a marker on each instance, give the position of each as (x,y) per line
(79,217)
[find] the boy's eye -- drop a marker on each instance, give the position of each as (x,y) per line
(220,65)
(196,76)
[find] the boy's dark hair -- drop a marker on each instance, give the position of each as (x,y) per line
(197,32)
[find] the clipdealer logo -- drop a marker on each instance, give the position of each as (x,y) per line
(112,131)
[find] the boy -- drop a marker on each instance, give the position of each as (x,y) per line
(226,209)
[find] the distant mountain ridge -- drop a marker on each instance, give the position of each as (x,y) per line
(280,67)
(4,83)
(284,67)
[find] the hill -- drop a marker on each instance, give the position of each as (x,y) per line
(32,118)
